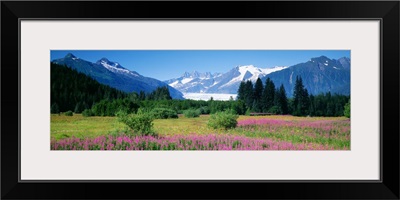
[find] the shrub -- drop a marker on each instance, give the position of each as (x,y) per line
(121,114)
(143,110)
(69,113)
(191,113)
(274,110)
(224,120)
(163,113)
(141,123)
(231,111)
(204,110)
(87,113)
(120,132)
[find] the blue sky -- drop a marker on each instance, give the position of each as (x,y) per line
(167,64)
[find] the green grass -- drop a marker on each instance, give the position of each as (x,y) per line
(82,127)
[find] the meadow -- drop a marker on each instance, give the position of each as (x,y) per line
(276,132)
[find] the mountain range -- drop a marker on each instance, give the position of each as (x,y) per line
(116,76)
(196,82)
(319,75)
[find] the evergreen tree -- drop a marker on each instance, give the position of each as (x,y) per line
(296,96)
(276,97)
(160,93)
(239,107)
(338,109)
(301,101)
(241,91)
(305,103)
(268,95)
(142,95)
(312,107)
(248,94)
(258,91)
(283,101)
(327,105)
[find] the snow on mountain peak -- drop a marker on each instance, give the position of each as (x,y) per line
(257,72)
(196,74)
(249,68)
(114,67)
(248,72)
(217,82)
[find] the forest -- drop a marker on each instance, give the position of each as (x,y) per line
(79,93)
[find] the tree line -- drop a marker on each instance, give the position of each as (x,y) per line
(267,98)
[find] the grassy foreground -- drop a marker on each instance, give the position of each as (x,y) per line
(318,132)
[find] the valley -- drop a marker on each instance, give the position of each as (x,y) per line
(101,105)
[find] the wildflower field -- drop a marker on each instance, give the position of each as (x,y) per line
(252,133)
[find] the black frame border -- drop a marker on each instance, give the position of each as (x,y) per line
(386,11)
(208,180)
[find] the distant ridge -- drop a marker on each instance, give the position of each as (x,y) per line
(114,75)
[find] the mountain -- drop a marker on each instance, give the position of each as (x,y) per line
(193,82)
(228,82)
(114,75)
(319,75)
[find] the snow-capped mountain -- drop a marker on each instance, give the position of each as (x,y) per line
(194,81)
(116,67)
(114,75)
(228,82)
(319,74)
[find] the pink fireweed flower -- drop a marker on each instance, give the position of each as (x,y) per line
(181,142)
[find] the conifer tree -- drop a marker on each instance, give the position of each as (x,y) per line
(283,101)
(268,95)
(258,91)
(312,106)
(301,101)
(241,92)
(248,97)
